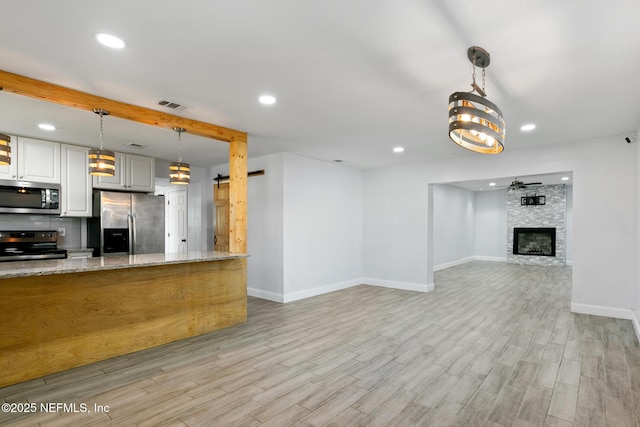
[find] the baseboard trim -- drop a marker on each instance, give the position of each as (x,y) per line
(259,293)
(308,293)
(405,286)
(597,310)
(295,296)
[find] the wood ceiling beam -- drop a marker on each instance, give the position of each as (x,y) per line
(38,89)
(237,140)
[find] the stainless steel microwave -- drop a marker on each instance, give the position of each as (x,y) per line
(29,197)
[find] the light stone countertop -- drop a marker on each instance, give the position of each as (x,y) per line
(61,266)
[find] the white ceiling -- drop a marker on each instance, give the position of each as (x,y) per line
(353,78)
(503,183)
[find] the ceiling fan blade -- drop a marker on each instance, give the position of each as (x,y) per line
(533,183)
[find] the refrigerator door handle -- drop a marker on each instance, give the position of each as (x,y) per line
(135,235)
(132,235)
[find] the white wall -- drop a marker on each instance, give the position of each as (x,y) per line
(395,227)
(569,226)
(322,227)
(636,304)
(603,252)
(265,222)
(304,234)
(453,225)
(491,225)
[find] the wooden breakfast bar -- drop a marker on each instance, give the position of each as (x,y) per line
(60,314)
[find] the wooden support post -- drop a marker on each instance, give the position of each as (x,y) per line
(238,196)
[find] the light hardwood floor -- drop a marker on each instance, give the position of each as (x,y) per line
(494,345)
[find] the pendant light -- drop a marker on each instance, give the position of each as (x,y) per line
(476,123)
(102,162)
(5,149)
(179,172)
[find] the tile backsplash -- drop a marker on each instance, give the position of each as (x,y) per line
(75,229)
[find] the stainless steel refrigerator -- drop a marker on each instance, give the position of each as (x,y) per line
(126,223)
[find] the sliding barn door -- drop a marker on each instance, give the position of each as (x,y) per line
(221,232)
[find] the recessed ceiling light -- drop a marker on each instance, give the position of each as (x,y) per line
(46,126)
(398,149)
(492,184)
(565,178)
(528,127)
(267,99)
(110,40)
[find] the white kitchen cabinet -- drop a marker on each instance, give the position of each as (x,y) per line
(115,182)
(141,173)
(33,160)
(76,183)
(133,173)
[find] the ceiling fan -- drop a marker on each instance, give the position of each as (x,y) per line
(516,184)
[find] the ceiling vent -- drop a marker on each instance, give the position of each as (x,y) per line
(172,105)
(135,145)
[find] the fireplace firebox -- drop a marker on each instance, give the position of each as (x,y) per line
(534,241)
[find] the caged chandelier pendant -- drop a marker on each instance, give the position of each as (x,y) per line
(475,123)
(5,149)
(179,172)
(102,162)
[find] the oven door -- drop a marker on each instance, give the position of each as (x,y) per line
(34,255)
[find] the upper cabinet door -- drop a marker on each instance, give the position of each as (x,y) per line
(141,173)
(133,173)
(38,161)
(116,182)
(76,182)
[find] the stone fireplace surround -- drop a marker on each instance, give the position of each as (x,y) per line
(551,215)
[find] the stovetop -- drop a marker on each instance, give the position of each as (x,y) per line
(19,245)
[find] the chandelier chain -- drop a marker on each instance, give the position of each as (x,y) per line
(473,75)
(180,145)
(101,134)
(484,73)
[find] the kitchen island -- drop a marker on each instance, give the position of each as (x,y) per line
(61,314)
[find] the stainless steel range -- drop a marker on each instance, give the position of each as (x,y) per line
(30,245)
